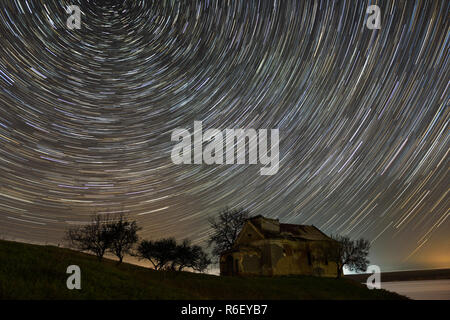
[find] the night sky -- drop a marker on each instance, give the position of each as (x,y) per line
(86,117)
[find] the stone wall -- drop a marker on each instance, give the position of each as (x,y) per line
(271,257)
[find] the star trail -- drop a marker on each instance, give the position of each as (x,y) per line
(86,117)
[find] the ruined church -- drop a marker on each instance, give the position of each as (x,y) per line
(267,247)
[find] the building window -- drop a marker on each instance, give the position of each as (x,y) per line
(308,253)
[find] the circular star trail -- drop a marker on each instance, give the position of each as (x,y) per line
(86,116)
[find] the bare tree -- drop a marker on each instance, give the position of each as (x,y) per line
(182,256)
(160,252)
(123,235)
(167,254)
(189,256)
(347,252)
(226,228)
(201,260)
(93,237)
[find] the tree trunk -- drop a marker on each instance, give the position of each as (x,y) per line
(339,272)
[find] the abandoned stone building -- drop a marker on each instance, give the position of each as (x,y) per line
(267,247)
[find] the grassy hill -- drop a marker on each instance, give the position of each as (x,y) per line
(39,272)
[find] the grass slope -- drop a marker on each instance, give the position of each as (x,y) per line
(39,272)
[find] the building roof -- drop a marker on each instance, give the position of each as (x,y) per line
(303,231)
(273,229)
(288,231)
